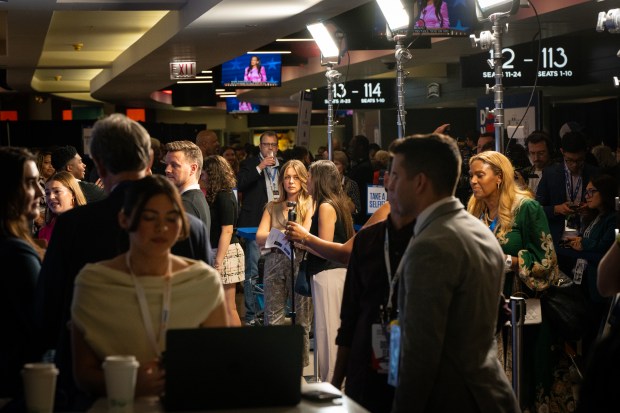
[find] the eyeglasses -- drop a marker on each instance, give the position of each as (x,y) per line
(590,192)
(270,145)
(578,161)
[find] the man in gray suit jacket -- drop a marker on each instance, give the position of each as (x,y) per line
(450,279)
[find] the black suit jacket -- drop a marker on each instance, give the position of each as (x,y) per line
(254,189)
(88,234)
(91,192)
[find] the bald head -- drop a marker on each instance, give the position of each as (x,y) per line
(208,143)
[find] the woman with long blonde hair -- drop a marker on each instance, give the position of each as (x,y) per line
(521,228)
(62,193)
(277,280)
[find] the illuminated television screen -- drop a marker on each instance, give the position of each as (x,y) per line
(234,105)
(441,18)
(253,71)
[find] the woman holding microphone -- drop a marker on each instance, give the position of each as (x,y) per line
(277,279)
(332,222)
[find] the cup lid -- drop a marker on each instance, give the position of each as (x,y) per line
(40,367)
(121,360)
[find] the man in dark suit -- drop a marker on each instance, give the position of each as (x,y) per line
(257,180)
(561,190)
(449,283)
(66,158)
(121,150)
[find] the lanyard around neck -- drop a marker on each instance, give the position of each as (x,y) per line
(571,193)
(146,314)
(388,267)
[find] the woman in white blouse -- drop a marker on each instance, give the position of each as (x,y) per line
(126,304)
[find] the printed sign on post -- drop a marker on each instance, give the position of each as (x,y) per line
(377,196)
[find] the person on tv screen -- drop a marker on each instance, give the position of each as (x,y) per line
(245,106)
(433,14)
(255,72)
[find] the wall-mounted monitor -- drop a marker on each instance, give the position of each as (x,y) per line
(441,18)
(234,105)
(253,71)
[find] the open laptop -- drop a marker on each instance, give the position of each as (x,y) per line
(233,368)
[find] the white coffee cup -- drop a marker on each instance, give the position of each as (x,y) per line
(120,382)
(39,386)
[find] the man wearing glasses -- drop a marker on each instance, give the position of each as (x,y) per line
(257,181)
(561,190)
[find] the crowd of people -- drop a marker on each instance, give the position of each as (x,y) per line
(410,306)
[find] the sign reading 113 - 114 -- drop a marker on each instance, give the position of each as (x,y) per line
(558,65)
(357,94)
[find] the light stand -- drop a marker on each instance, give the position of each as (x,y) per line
(402,54)
(333,76)
(292,216)
(485,42)
(397,26)
(330,45)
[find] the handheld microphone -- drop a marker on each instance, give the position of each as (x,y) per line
(292,213)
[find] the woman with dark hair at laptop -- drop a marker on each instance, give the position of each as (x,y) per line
(126,304)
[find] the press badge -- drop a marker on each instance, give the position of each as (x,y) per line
(394,353)
(580,267)
(380,349)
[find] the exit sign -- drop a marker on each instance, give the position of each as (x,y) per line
(182,70)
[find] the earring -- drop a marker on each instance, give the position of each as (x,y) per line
(498,184)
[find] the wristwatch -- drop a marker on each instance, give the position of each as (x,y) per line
(508,263)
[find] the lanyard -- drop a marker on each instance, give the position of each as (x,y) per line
(388,267)
(570,193)
(272,176)
(146,314)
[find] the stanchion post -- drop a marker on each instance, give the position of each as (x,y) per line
(517,319)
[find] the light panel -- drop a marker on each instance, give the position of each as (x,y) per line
(395,14)
(485,8)
(324,40)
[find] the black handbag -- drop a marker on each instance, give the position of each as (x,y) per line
(302,282)
(564,307)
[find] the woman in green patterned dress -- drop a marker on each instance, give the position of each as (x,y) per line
(521,227)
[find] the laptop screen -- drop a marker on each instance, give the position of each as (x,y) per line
(232,368)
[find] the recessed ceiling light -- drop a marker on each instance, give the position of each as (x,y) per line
(270,52)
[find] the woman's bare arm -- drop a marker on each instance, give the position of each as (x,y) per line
(263,229)
(333,251)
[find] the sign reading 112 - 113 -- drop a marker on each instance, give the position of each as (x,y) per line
(558,65)
(357,94)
